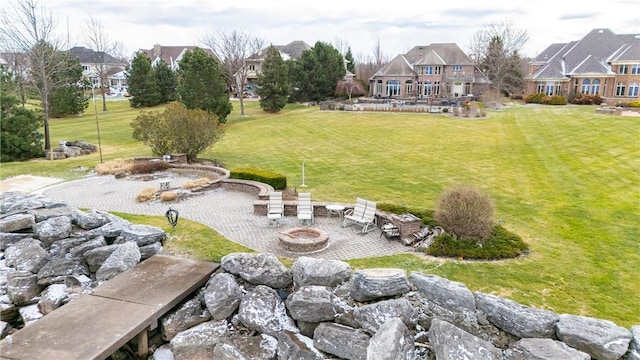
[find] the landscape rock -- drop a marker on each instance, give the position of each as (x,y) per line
(199,341)
(79,250)
(30,313)
(311,304)
(371,284)
(22,287)
(263,310)
(258,269)
(17,222)
(27,255)
(342,341)
(125,257)
(601,339)
(91,219)
(57,271)
(311,271)
(449,342)
(634,346)
(222,296)
(7,239)
(371,316)
(45,214)
(147,251)
(53,229)
(259,347)
(543,349)
(143,234)
(182,318)
(519,320)
(114,228)
(292,345)
(96,257)
(392,341)
(52,298)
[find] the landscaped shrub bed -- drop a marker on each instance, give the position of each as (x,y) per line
(501,244)
(587,99)
(149,167)
(278,181)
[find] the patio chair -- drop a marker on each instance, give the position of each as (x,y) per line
(275,208)
(363,214)
(305,209)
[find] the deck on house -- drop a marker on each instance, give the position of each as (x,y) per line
(94,326)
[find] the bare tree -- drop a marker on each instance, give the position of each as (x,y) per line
(496,50)
(234,49)
(98,40)
(341,44)
(379,57)
(29,28)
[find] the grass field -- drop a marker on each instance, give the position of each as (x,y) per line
(564,178)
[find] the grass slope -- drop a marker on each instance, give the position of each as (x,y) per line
(564,178)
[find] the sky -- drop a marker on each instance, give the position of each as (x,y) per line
(396,26)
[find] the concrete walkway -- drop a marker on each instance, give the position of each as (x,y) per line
(228,212)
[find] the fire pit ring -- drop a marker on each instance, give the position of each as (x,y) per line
(303,239)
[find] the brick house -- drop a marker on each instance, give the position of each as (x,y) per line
(292,50)
(439,71)
(601,63)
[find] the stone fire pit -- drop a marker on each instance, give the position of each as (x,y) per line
(303,240)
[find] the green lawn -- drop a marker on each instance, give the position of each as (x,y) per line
(564,178)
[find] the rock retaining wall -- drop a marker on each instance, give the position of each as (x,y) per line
(254,307)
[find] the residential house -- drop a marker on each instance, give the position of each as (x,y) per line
(17,64)
(601,63)
(96,62)
(437,71)
(172,55)
(292,50)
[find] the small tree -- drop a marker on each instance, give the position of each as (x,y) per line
(273,82)
(466,213)
(178,130)
(167,82)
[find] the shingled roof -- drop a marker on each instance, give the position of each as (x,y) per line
(171,55)
(434,54)
(88,56)
(591,55)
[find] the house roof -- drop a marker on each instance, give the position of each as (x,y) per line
(292,50)
(171,55)
(591,55)
(434,54)
(88,56)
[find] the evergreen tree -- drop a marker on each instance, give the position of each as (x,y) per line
(68,97)
(202,84)
(20,136)
(351,65)
(273,82)
(316,73)
(167,82)
(142,83)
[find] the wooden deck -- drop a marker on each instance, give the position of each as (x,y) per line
(94,326)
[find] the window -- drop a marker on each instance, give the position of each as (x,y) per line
(420,70)
(467,88)
(86,68)
(379,87)
(419,88)
(633,89)
(437,70)
(456,68)
(436,88)
(549,89)
(623,69)
(393,87)
(595,87)
(635,69)
(252,67)
(586,85)
(540,87)
(428,89)
(428,70)
(408,87)
(620,89)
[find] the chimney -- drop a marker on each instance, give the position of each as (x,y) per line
(156,50)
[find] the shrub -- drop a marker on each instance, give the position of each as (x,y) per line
(635,104)
(195,183)
(278,181)
(168,196)
(534,98)
(586,99)
(465,212)
(501,244)
(149,167)
(114,166)
(146,194)
(555,100)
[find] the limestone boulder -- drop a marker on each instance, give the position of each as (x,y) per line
(27,255)
(125,257)
(185,316)
(311,304)
(199,341)
(53,229)
(57,271)
(601,339)
(371,284)
(311,271)
(17,222)
(449,342)
(258,269)
(222,296)
(342,341)
(259,347)
(22,287)
(392,341)
(143,234)
(292,345)
(264,311)
(543,349)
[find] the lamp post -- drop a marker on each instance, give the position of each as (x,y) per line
(95,108)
